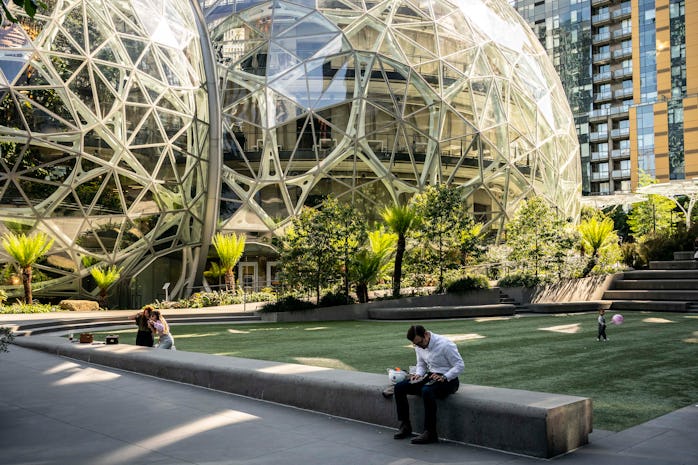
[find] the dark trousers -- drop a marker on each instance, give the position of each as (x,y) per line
(144,338)
(429,395)
(602,332)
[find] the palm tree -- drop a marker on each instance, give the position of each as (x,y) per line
(104,278)
(595,236)
(229,248)
(371,262)
(27,250)
(399,219)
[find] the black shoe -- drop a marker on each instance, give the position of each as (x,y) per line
(426,437)
(405,431)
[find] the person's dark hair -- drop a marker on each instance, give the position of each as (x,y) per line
(156,314)
(415,330)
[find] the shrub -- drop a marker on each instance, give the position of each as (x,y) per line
(287,304)
(631,255)
(520,280)
(33,308)
(3,297)
(656,247)
(6,338)
(335,298)
(468,283)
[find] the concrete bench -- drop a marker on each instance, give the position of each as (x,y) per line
(445,311)
(569,307)
(524,422)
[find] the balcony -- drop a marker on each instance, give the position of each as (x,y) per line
(601,57)
(601,18)
(620,174)
(620,153)
(599,2)
(601,37)
(620,133)
(622,93)
(623,32)
(603,96)
(602,77)
(623,52)
(597,136)
(622,13)
(598,156)
(602,176)
(622,72)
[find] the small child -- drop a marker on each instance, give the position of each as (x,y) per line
(602,326)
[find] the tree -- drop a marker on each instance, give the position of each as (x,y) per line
(30,7)
(653,215)
(443,217)
(348,231)
(537,235)
(308,256)
(400,219)
(596,234)
(371,262)
(104,277)
(229,248)
(27,250)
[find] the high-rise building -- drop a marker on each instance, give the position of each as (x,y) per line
(629,70)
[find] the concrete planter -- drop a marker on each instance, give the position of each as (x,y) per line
(361,311)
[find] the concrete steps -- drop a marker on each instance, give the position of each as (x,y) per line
(670,286)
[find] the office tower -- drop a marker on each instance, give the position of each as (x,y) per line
(627,71)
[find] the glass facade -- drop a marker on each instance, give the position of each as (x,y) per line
(677,34)
(104,141)
(372,102)
(132,130)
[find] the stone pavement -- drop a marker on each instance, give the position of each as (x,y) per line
(55,410)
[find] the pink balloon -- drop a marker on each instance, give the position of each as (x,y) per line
(617,319)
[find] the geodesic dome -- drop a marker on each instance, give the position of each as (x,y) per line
(104,137)
(372,101)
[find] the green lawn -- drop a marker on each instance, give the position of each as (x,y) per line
(648,367)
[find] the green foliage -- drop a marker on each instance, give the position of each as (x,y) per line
(216,298)
(3,297)
(332,299)
(372,262)
(652,216)
(35,307)
(105,277)
(468,283)
(539,238)
(630,252)
(287,304)
(597,235)
(229,248)
(443,218)
(318,246)
(6,338)
(27,250)
(400,219)
(521,279)
(30,8)
(656,247)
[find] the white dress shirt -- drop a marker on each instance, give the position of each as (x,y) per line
(440,356)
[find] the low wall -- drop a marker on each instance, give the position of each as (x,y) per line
(525,422)
(567,290)
(362,311)
(424,313)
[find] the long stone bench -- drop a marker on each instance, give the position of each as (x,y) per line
(524,422)
(444,311)
(568,307)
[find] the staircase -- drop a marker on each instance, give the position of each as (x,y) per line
(670,286)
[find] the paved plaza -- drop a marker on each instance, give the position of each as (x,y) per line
(55,410)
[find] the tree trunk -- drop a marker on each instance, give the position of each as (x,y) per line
(397,271)
(229,280)
(27,282)
(589,266)
(362,292)
(103,298)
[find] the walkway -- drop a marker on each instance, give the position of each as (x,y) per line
(59,411)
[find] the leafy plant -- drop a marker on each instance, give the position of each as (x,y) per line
(332,299)
(27,250)
(400,219)
(30,8)
(287,304)
(6,338)
(596,235)
(468,283)
(104,278)
(229,248)
(521,279)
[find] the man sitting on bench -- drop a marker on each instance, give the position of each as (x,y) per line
(438,367)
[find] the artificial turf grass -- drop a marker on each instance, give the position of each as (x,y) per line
(645,370)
